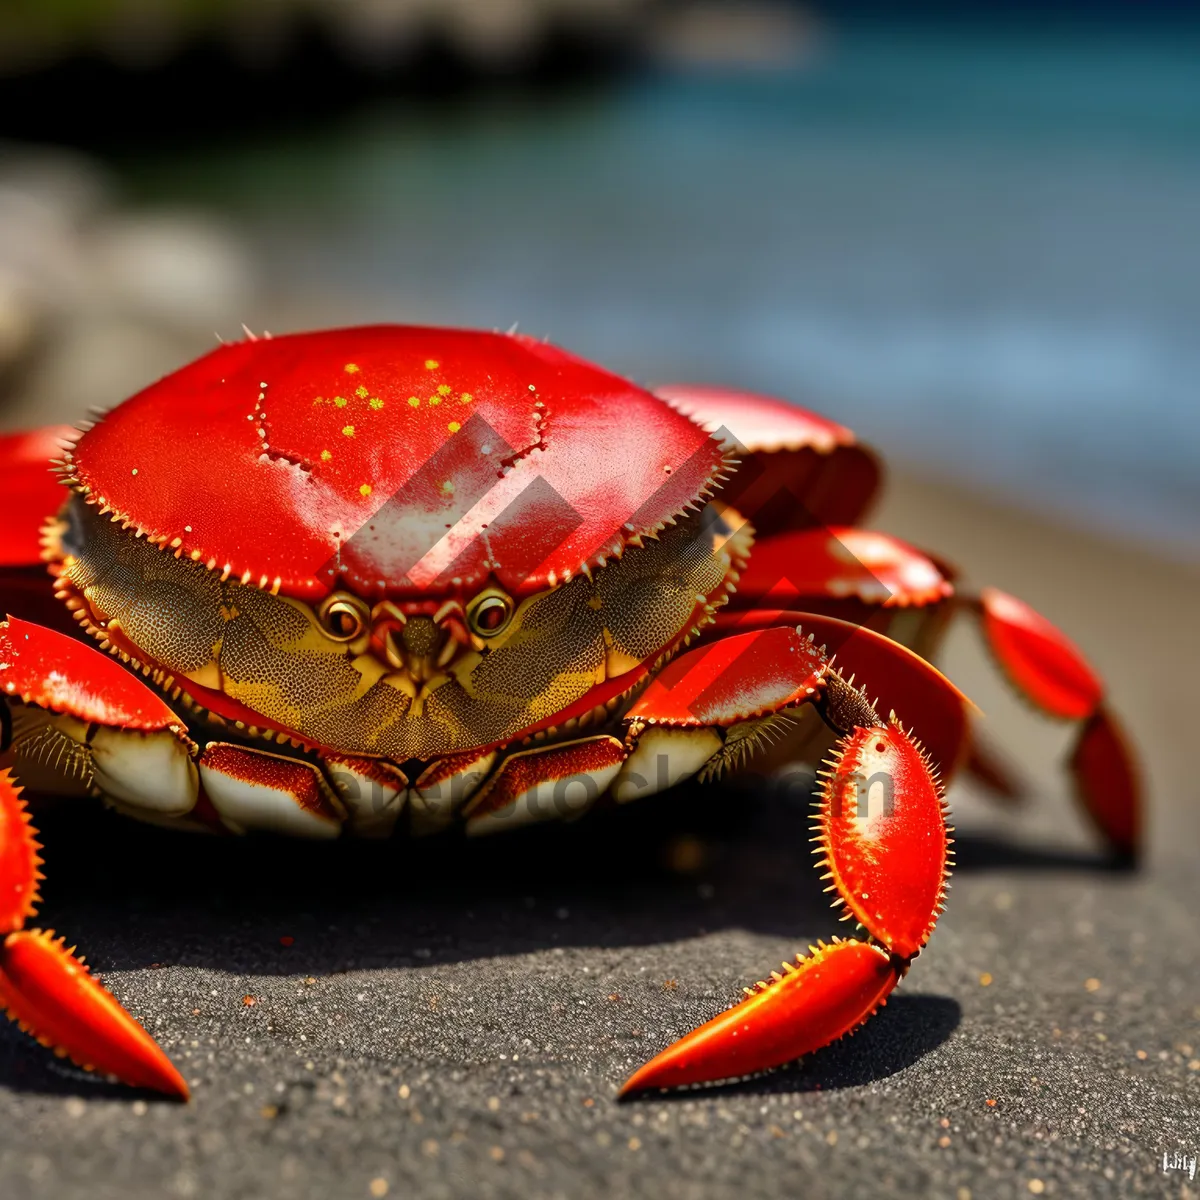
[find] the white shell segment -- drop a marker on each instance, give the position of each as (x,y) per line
(661,758)
(438,796)
(549,797)
(145,771)
(373,794)
(253,791)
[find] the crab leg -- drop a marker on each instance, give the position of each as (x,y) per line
(1049,671)
(899,679)
(43,985)
(802,477)
(29,492)
(880,829)
(876,579)
(29,496)
(798,470)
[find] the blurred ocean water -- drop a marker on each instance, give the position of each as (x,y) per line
(980,249)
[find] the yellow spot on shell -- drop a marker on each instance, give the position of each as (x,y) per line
(444,390)
(340,401)
(325,456)
(348,430)
(454,427)
(319,400)
(375,403)
(466,397)
(431,364)
(365,490)
(351,368)
(448,487)
(414,402)
(435,399)
(361,392)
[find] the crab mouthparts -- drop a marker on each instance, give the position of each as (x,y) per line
(420,645)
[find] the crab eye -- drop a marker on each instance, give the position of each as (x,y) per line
(343,617)
(489,613)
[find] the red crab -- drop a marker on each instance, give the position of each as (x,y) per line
(389,578)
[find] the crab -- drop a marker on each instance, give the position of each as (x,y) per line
(395,580)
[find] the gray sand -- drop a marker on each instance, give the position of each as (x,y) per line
(454,1020)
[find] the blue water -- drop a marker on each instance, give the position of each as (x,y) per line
(981,250)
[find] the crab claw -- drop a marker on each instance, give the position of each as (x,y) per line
(881,830)
(1050,671)
(812,1003)
(48,991)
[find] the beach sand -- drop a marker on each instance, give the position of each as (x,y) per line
(453,1020)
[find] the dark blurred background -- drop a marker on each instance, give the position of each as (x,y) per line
(967,230)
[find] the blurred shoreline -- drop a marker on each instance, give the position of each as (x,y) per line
(978,251)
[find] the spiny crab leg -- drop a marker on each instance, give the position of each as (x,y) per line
(882,834)
(812,1002)
(908,594)
(43,985)
(47,990)
(1049,671)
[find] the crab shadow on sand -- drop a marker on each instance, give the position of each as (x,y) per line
(693,862)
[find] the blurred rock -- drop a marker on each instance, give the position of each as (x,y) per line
(18,319)
(146,34)
(45,199)
(753,34)
(95,300)
(184,268)
(93,361)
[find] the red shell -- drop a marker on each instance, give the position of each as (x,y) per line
(403,461)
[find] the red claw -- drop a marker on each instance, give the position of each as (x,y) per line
(19,860)
(882,832)
(799,1011)
(50,993)
(898,679)
(727,678)
(47,990)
